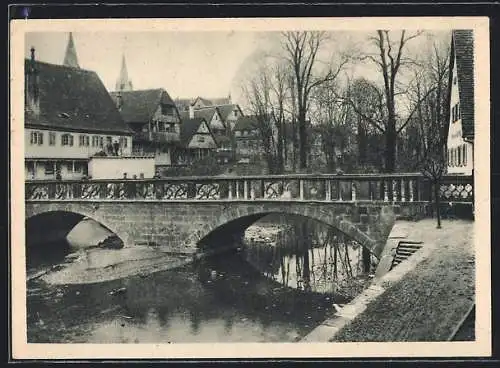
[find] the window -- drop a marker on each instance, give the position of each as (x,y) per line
(69,167)
(201,139)
(36,138)
(95,141)
(52,139)
(49,168)
(235,113)
(455,79)
(66,140)
(459,156)
(101,142)
(464,156)
(87,140)
(109,140)
(81,140)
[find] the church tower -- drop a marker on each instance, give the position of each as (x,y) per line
(123,83)
(70,59)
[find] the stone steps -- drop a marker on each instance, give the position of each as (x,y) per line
(405,250)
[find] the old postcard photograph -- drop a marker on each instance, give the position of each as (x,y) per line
(250,188)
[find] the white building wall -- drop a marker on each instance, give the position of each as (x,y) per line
(115,167)
(457,163)
(57,150)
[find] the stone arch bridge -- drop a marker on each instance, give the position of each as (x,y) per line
(184,213)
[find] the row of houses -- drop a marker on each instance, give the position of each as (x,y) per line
(72,123)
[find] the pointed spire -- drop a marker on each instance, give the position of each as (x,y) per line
(70,59)
(123,83)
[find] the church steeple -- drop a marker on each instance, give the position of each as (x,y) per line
(70,59)
(123,83)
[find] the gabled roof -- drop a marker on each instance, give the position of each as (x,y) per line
(248,122)
(189,127)
(73,99)
(462,52)
(206,113)
(203,100)
(139,106)
(226,110)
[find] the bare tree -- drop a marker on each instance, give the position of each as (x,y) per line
(301,51)
(334,119)
(431,119)
(267,93)
(389,59)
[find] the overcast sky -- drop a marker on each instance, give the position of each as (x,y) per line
(186,64)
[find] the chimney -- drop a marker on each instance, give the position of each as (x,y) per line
(31,92)
(191,111)
(119,101)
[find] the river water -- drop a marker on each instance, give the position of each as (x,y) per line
(277,290)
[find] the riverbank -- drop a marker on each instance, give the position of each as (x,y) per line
(94,265)
(422,299)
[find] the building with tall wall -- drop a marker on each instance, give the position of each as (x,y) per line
(69,117)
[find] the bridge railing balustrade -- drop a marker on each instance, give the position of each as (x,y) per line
(368,187)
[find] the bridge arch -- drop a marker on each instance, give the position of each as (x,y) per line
(237,219)
(70,216)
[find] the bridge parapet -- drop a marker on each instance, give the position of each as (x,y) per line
(351,188)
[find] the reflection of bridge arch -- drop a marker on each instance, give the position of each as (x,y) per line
(58,223)
(343,217)
(182,224)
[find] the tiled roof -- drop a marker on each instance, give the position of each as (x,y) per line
(189,127)
(139,106)
(226,110)
(206,113)
(463,49)
(246,123)
(73,99)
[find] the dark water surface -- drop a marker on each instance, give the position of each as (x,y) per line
(264,293)
(188,304)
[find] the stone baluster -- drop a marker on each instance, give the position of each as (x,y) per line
(245,189)
(386,191)
(237,189)
(403,194)
(411,189)
(353,191)
(394,190)
(301,189)
(230,193)
(328,190)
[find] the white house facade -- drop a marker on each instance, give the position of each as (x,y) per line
(460,140)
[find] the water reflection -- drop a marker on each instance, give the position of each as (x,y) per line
(310,256)
(188,304)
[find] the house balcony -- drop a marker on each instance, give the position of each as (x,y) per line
(160,137)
